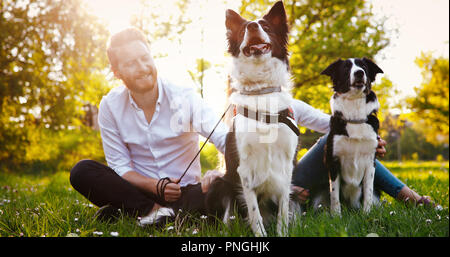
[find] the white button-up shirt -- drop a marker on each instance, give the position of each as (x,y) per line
(165,146)
(307,116)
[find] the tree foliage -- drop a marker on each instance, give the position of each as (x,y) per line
(430,106)
(404,142)
(322,31)
(158,25)
(52,63)
(384,90)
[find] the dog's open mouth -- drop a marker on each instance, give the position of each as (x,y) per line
(257,49)
(358,84)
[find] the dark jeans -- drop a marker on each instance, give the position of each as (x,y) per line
(310,172)
(102,186)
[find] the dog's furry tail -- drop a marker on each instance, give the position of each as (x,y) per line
(222,198)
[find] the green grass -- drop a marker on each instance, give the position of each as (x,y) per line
(46,205)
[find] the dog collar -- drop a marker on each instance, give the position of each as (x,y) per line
(285,116)
(263,91)
(356,121)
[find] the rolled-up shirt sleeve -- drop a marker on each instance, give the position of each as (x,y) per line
(204,119)
(309,117)
(116,152)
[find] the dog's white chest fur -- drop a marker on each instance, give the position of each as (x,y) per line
(263,72)
(265,151)
(355,153)
(362,139)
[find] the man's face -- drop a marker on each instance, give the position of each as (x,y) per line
(136,67)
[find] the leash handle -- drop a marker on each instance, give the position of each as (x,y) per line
(161,188)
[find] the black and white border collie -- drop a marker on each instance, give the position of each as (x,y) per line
(352,141)
(261,145)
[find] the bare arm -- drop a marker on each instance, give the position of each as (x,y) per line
(146,184)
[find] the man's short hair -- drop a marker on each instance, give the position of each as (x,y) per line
(121,38)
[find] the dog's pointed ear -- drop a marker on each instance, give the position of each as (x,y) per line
(332,68)
(233,20)
(276,15)
(373,69)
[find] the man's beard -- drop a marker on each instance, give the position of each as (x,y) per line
(134,83)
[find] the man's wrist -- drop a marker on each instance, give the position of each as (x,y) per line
(140,181)
(151,185)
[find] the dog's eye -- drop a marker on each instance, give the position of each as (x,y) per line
(266,28)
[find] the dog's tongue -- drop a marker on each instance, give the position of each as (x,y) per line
(259,49)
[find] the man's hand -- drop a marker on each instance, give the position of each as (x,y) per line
(381,151)
(172,191)
(208,178)
(300,194)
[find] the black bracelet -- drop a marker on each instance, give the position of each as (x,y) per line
(161,187)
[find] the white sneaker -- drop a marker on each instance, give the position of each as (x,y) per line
(157,216)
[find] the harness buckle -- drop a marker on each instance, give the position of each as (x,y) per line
(268,117)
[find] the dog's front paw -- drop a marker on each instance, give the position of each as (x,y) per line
(336,210)
(367,208)
(261,233)
(258,230)
(282,232)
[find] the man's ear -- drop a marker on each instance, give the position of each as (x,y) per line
(332,68)
(373,69)
(116,72)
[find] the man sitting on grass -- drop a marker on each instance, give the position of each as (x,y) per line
(144,142)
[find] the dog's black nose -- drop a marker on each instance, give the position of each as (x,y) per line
(359,74)
(252,26)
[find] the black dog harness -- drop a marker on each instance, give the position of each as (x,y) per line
(283,116)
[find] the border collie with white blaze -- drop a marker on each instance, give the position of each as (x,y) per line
(261,145)
(352,141)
